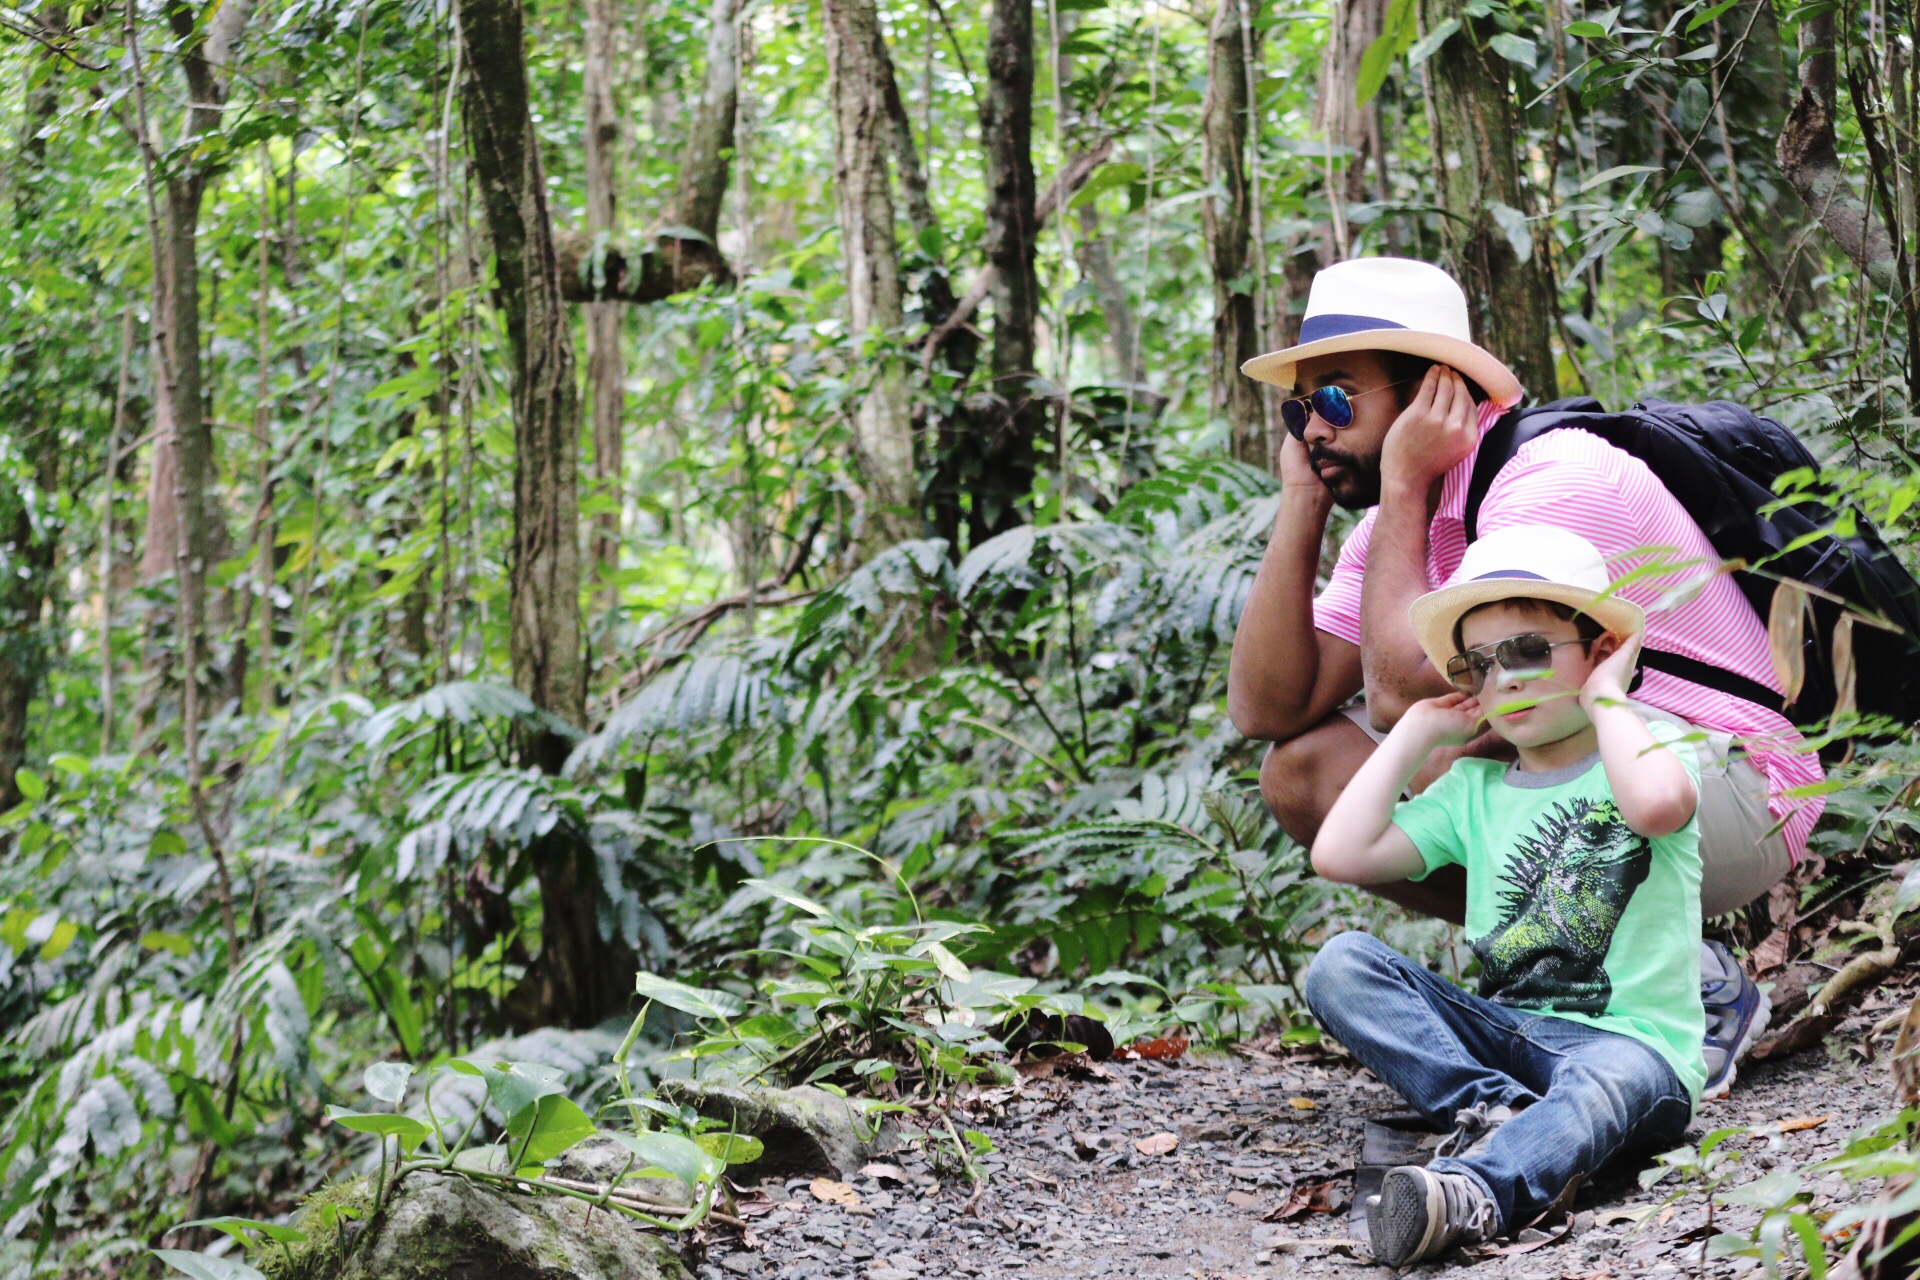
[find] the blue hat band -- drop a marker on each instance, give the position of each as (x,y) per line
(1317,328)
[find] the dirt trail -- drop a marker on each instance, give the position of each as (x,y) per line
(1070,1194)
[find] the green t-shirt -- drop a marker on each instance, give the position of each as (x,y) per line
(1570,911)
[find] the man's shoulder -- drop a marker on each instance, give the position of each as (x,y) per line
(1570,446)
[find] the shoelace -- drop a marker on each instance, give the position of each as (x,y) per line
(1479,1219)
(1469,1123)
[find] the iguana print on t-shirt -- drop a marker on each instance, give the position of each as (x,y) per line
(1564,889)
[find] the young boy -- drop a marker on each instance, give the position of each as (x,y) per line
(1583,901)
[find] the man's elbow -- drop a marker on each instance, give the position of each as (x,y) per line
(1258,718)
(1384,709)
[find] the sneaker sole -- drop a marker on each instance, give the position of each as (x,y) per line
(1408,1217)
(1756,1027)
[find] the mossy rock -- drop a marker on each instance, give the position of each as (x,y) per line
(600,1160)
(805,1130)
(448,1228)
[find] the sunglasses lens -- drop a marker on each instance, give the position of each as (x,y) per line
(1525,653)
(1334,408)
(1467,671)
(1294,414)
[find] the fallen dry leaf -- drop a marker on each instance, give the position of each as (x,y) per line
(1797,1123)
(1666,1216)
(1242,1200)
(1528,1246)
(1158,1144)
(1308,1197)
(1300,1104)
(1611,1216)
(827,1191)
(879,1170)
(1164,1049)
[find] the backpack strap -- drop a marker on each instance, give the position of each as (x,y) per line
(1703,673)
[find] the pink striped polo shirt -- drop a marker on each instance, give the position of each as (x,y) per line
(1578,482)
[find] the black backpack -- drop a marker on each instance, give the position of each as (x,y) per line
(1719,461)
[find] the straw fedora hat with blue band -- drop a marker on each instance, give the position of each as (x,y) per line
(1388,304)
(1534,561)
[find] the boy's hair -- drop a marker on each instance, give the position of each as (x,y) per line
(1587,625)
(1406,368)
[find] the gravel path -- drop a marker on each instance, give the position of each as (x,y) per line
(1071,1193)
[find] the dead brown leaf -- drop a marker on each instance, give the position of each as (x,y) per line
(1163,1049)
(1796,1123)
(1305,1198)
(827,1191)
(1157,1144)
(879,1170)
(1906,1071)
(1243,1200)
(1300,1104)
(1786,633)
(1666,1216)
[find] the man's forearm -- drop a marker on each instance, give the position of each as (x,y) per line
(1396,669)
(1276,662)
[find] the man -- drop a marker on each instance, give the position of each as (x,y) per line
(1391,399)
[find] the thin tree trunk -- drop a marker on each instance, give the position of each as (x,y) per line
(1476,158)
(1123,342)
(1345,123)
(578,977)
(861,129)
(606,388)
(704,167)
(1227,221)
(999,459)
(31,539)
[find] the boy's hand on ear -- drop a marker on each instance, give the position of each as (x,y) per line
(1451,720)
(1439,426)
(1608,680)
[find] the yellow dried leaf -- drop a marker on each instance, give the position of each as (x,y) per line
(1845,677)
(1786,635)
(827,1191)
(1796,1123)
(1906,1069)
(1158,1144)
(1300,1104)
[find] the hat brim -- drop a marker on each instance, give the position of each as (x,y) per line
(1475,362)
(1433,615)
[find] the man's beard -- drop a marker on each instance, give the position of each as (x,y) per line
(1358,485)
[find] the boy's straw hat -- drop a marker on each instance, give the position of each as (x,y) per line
(1388,304)
(1531,561)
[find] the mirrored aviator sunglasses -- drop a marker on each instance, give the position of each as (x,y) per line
(1331,403)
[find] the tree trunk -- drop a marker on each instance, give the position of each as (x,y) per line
(1345,123)
(708,159)
(1227,222)
(861,135)
(998,457)
(1476,160)
(27,554)
(1810,159)
(606,388)
(1123,341)
(579,978)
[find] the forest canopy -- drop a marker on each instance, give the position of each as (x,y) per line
(501,500)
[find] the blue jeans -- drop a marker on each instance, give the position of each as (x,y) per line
(1588,1094)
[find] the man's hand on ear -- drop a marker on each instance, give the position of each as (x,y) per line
(1438,428)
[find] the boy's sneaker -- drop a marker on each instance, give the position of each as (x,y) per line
(1737,1015)
(1420,1214)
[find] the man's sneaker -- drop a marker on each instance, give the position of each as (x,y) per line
(1473,1129)
(1420,1214)
(1737,1015)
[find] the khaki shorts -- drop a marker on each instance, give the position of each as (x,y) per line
(1741,854)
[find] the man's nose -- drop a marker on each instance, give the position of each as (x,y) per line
(1318,431)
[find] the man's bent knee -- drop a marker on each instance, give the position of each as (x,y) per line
(1302,777)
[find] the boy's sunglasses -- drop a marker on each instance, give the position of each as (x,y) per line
(1333,404)
(1529,653)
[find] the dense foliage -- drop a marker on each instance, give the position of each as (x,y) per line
(845,785)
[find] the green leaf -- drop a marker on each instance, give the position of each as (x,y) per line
(70,764)
(1427,45)
(513,1086)
(1909,891)
(387,1081)
(1515,49)
(1587,30)
(701,1002)
(159,940)
(734,1148)
(1105,179)
(1397,30)
(239,1228)
(549,1127)
(30,784)
(672,1154)
(1618,171)
(1702,19)
(1513,224)
(205,1266)
(787,895)
(409,1131)
(166,843)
